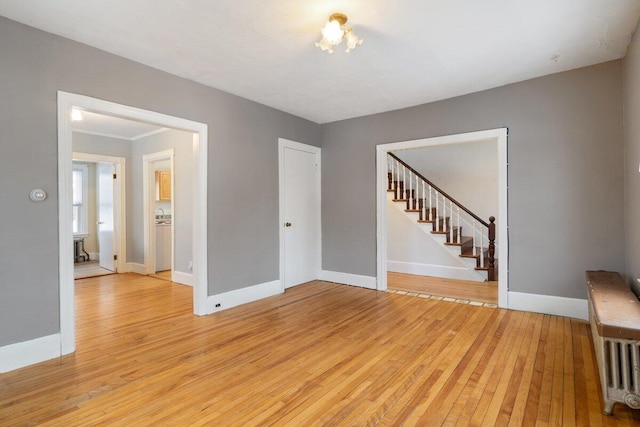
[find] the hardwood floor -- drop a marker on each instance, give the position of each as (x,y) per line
(163,275)
(320,354)
(485,292)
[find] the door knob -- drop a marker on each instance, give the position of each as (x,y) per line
(287,224)
(100,222)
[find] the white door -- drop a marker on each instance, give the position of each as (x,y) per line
(106,235)
(300,171)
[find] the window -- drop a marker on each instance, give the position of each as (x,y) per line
(80,198)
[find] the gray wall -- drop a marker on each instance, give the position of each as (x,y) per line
(182,143)
(243,141)
(105,146)
(631,81)
(565,176)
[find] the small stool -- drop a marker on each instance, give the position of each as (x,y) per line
(79,254)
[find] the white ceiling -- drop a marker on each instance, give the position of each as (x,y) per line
(414,51)
(114,127)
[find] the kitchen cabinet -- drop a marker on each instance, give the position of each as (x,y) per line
(163,185)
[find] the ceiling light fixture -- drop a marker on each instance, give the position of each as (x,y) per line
(76,115)
(334,31)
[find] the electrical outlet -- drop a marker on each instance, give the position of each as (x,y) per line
(218,305)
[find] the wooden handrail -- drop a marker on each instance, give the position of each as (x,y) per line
(460,205)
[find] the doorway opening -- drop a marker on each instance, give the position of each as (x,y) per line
(198,211)
(159,195)
(499,136)
(99,214)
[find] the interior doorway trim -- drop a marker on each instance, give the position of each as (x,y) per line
(66,101)
(149,234)
(120,204)
(500,136)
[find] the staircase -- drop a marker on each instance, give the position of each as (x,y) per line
(446,217)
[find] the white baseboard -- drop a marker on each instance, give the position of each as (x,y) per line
(182,278)
(348,279)
(238,297)
(94,256)
(21,354)
(134,267)
(547,304)
(450,272)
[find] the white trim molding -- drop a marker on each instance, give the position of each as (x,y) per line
(67,101)
(148,230)
(548,304)
(450,272)
(19,355)
(500,136)
(137,268)
(241,296)
(182,278)
(358,280)
(120,201)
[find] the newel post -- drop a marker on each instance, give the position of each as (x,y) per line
(492,248)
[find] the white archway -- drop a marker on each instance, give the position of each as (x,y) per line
(66,101)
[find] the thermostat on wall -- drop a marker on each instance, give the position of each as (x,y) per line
(37,195)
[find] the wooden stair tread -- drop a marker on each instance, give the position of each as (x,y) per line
(462,242)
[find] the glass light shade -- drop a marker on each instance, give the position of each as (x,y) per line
(352,40)
(76,115)
(332,32)
(325,45)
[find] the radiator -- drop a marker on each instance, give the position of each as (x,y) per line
(619,364)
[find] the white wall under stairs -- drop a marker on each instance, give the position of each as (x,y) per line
(412,249)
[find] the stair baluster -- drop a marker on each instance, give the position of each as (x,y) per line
(451,222)
(459,239)
(430,208)
(424,205)
(481,249)
(444,214)
(474,237)
(395,179)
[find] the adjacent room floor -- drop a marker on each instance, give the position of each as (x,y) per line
(479,293)
(86,269)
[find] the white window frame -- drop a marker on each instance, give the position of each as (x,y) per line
(84,209)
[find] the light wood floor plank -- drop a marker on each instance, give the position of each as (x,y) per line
(320,354)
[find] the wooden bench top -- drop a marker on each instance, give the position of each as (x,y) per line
(615,307)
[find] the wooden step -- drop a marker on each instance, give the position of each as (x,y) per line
(464,241)
(479,252)
(447,233)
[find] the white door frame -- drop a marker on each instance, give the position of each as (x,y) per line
(120,202)
(282,145)
(149,226)
(66,101)
(500,136)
